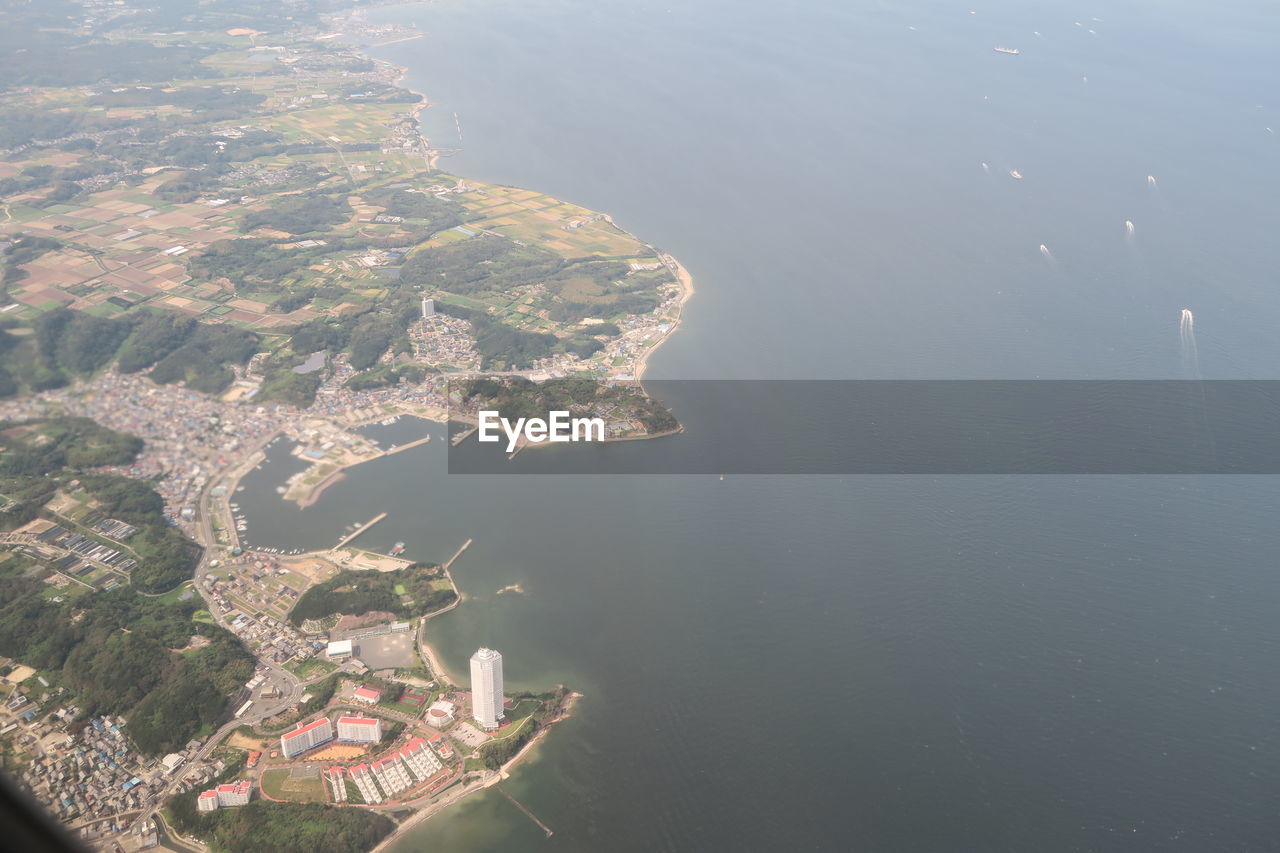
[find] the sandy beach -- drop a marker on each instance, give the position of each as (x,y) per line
(455,794)
(686,290)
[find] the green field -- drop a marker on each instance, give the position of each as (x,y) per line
(280,784)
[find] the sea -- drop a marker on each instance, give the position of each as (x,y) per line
(872,663)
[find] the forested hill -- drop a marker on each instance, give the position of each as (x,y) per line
(118,651)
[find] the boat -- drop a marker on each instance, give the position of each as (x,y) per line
(396,550)
(1012,51)
(1014,173)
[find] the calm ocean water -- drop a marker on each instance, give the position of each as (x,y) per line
(875,663)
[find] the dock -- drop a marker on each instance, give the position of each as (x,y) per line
(460,437)
(401,447)
(527,813)
(465,546)
(361,529)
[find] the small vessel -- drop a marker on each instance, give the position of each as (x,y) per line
(1012,51)
(1015,174)
(1128,226)
(396,550)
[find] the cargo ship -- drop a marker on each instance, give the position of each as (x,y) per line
(396,550)
(1012,51)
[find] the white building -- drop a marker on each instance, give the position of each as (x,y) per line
(420,760)
(225,796)
(363,777)
(440,714)
(305,737)
(486,688)
(337,784)
(360,729)
(392,774)
(339,650)
(234,795)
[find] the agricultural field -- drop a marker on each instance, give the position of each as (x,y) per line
(277,184)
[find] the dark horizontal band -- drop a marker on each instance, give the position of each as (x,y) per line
(929,427)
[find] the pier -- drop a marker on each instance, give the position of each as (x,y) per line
(527,813)
(401,447)
(361,529)
(465,546)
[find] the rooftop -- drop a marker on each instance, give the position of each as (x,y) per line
(306,728)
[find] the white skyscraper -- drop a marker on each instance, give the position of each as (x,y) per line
(486,688)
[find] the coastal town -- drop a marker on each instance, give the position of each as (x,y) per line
(358,704)
(430,746)
(371,307)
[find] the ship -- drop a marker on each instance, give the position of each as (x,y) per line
(1012,51)
(396,550)
(1015,174)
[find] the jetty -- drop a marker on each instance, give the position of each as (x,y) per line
(527,813)
(361,529)
(465,546)
(402,447)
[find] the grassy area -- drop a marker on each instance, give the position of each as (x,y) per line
(281,785)
(181,592)
(310,668)
(411,710)
(516,727)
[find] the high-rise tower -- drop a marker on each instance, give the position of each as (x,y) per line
(486,688)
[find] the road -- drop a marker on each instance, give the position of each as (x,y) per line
(274,674)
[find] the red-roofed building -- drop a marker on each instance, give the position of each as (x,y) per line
(305,737)
(335,776)
(234,795)
(440,745)
(360,729)
(420,760)
(368,695)
(363,777)
(223,796)
(391,774)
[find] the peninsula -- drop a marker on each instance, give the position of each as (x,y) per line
(221,228)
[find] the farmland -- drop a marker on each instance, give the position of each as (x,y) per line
(277,183)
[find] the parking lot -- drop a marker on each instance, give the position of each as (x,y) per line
(387,652)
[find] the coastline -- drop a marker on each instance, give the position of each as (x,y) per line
(685,280)
(682,277)
(639,367)
(496,777)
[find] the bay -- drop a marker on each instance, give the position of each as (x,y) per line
(873,663)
